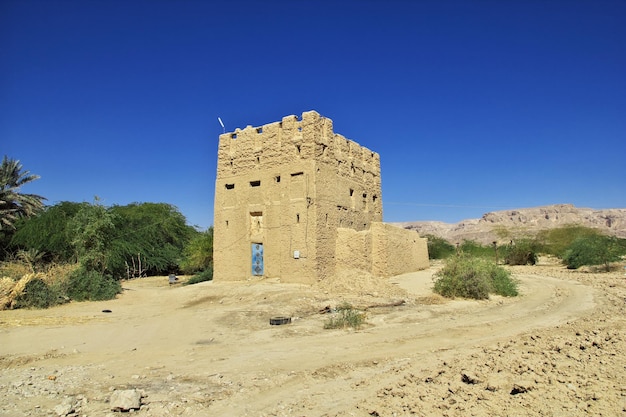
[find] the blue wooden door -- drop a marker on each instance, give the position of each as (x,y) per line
(257,259)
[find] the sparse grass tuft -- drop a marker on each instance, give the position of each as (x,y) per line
(346,316)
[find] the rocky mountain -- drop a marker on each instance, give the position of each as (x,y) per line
(503,225)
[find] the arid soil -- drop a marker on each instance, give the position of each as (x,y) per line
(208,349)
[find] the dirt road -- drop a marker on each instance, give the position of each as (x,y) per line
(209,349)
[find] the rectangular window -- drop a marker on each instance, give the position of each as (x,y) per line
(255,183)
(256,222)
(230,186)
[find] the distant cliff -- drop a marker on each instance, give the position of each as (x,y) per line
(503,225)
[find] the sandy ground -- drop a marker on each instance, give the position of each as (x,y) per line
(208,349)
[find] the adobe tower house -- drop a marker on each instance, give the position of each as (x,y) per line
(296,201)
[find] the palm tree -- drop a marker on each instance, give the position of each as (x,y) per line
(14,204)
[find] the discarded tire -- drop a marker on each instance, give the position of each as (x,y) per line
(277,321)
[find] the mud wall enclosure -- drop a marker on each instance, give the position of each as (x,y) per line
(294,200)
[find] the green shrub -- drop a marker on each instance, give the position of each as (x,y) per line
(593,250)
(38,294)
(346,316)
(522,252)
(557,241)
(502,283)
(91,285)
(206,275)
(438,247)
(475,249)
(198,253)
(469,277)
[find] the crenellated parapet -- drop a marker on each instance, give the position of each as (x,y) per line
(293,139)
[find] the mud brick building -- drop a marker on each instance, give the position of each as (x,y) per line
(296,201)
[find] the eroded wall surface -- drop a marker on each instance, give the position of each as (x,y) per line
(382,250)
(397,251)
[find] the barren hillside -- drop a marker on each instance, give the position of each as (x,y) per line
(504,225)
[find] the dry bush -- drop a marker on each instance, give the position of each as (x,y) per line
(14,270)
(12,290)
(17,276)
(433,299)
(6,287)
(59,273)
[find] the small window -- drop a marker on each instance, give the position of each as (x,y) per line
(297,174)
(258,159)
(230,186)
(227,224)
(351,192)
(277,178)
(255,183)
(259,130)
(233,136)
(298,218)
(298,149)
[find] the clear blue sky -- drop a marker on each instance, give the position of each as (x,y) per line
(473,106)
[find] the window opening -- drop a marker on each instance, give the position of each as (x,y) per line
(259,130)
(230,186)
(256,222)
(255,183)
(277,178)
(233,136)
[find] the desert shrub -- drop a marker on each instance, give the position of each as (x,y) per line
(594,250)
(38,294)
(501,282)
(522,252)
(475,249)
(557,241)
(346,316)
(470,277)
(84,285)
(206,275)
(438,247)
